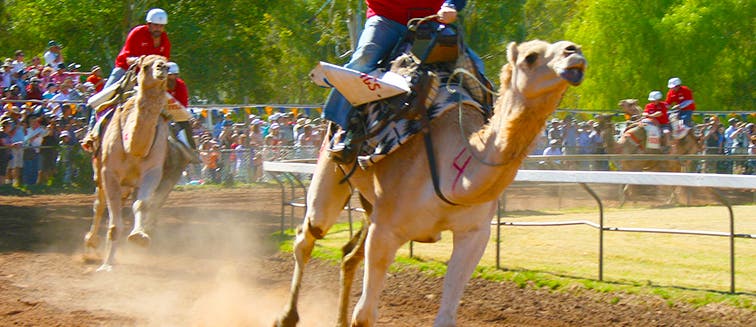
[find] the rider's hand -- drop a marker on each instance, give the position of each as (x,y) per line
(447,15)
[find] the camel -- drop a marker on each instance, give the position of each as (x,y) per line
(407,202)
(632,141)
(132,158)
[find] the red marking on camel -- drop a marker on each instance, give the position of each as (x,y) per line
(460,168)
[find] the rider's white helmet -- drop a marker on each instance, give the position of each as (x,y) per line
(173,68)
(654,96)
(674,81)
(157,16)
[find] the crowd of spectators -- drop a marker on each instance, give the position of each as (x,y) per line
(43,117)
(568,136)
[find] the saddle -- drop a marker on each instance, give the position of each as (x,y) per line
(427,57)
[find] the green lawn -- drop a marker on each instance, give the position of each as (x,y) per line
(690,268)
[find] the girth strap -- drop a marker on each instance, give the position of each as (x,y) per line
(433,168)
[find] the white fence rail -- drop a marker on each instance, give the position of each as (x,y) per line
(289,170)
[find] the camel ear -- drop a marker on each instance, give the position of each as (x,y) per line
(512,53)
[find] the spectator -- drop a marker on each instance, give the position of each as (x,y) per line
(5,144)
(95,77)
(17,134)
(554,132)
(147,39)
(65,156)
(20,83)
(752,151)
(681,97)
(36,65)
(6,78)
(53,57)
(554,149)
(713,140)
(18,63)
(72,72)
(64,94)
(50,91)
(46,76)
(48,152)
(255,135)
(33,140)
(33,90)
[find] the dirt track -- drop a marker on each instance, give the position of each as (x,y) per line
(211,265)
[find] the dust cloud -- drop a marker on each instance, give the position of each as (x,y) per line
(200,270)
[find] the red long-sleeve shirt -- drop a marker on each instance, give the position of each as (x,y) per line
(139,43)
(680,96)
(661,106)
(180,92)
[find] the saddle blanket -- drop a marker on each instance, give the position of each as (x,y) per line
(653,136)
(398,132)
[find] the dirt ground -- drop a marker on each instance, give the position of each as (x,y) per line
(212,264)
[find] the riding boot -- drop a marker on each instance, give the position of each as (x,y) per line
(189,147)
(347,143)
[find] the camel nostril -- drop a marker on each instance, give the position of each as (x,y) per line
(571,49)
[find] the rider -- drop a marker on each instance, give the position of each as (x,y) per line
(386,24)
(682,98)
(657,110)
(143,40)
(177,108)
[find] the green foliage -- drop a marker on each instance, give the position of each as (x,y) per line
(261,51)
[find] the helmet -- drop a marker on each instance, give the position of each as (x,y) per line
(173,68)
(157,16)
(654,96)
(674,81)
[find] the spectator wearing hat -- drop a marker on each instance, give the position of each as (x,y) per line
(21,83)
(35,65)
(34,90)
(67,145)
(143,40)
(6,75)
(53,56)
(51,89)
(681,97)
(713,141)
(18,63)
(95,77)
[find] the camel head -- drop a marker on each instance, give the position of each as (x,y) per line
(538,68)
(631,108)
(153,72)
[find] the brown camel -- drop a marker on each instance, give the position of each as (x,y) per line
(132,158)
(472,171)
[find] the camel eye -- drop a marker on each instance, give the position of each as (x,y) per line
(531,58)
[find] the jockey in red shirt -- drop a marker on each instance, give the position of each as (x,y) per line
(657,110)
(143,40)
(681,97)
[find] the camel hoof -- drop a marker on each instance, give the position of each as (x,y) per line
(105,268)
(92,240)
(140,238)
(290,319)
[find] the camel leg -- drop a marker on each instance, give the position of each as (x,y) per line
(380,249)
(325,199)
(143,206)
(468,249)
(92,240)
(112,191)
(354,253)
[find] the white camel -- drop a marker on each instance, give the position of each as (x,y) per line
(133,153)
(472,172)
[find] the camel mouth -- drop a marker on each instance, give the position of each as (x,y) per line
(573,75)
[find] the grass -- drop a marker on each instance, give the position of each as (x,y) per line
(677,268)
